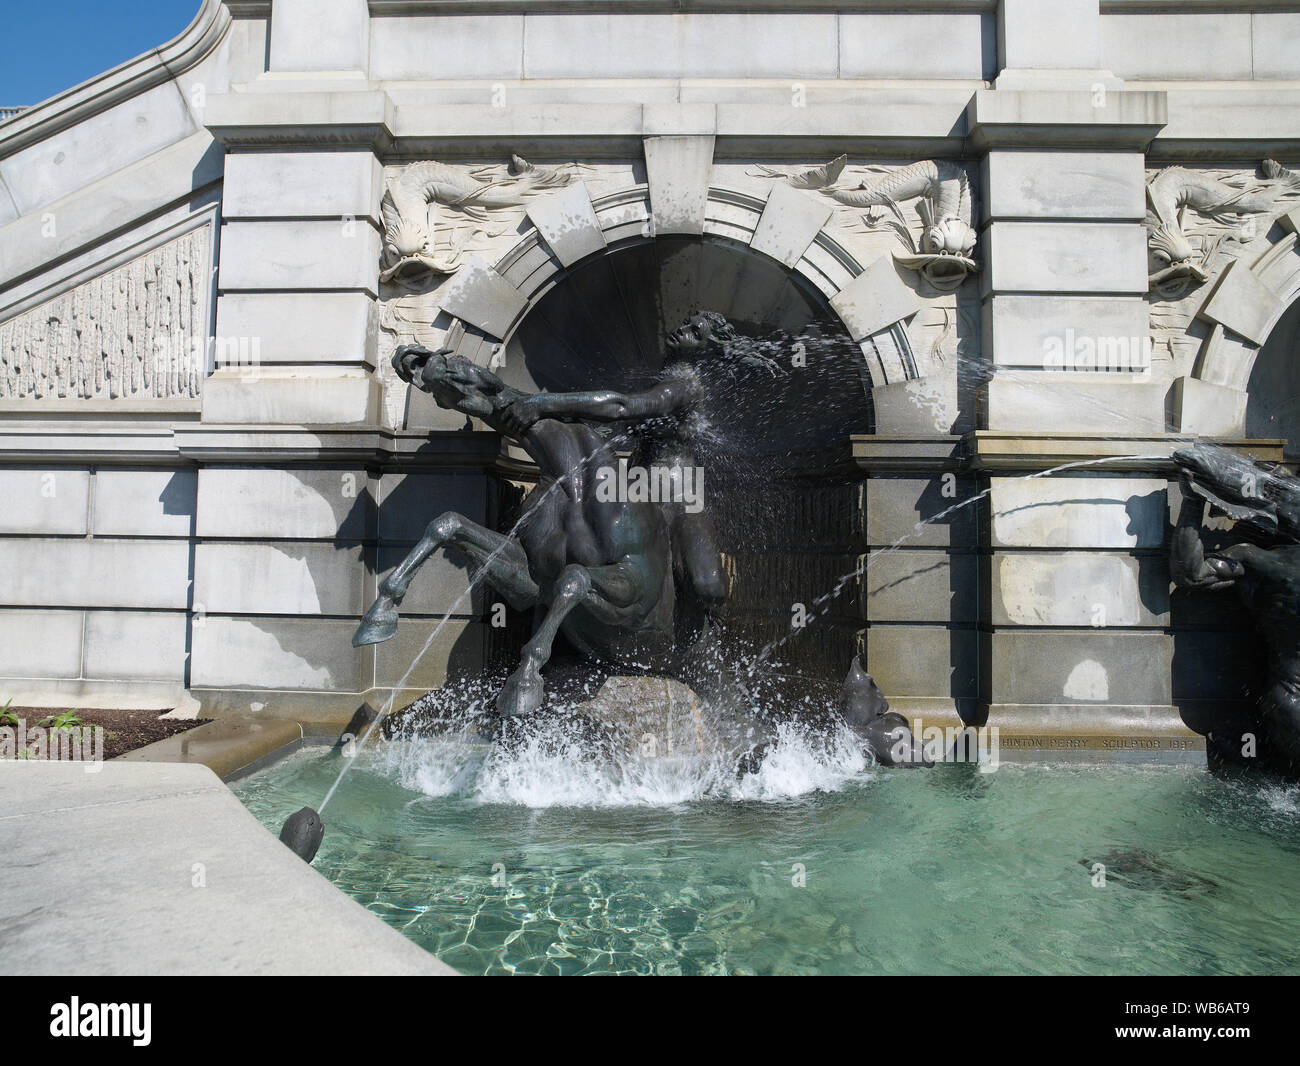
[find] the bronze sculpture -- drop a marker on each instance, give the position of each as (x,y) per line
(602,568)
(612,574)
(1265,503)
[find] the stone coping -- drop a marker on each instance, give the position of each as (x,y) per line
(235,745)
(156,868)
(124,81)
(1073,733)
(229,747)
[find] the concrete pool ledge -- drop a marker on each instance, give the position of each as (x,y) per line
(229,747)
(156,868)
(1104,734)
(236,745)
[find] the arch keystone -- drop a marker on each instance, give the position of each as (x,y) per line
(678,170)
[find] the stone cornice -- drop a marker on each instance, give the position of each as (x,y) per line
(207,443)
(414,124)
(45,438)
(401,121)
(1229,122)
(1124,119)
(996,452)
(880,453)
(121,83)
(97,433)
(361,118)
(1020,452)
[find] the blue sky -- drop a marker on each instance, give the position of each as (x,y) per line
(47,46)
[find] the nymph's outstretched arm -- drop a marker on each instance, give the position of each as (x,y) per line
(666,398)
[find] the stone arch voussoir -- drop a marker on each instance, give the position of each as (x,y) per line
(488,300)
(1241,309)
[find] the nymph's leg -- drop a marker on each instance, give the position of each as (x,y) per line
(696,545)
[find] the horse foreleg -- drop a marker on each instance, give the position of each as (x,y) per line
(504,562)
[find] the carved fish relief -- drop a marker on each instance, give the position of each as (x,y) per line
(410,207)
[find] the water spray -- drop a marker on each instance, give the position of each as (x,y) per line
(823,602)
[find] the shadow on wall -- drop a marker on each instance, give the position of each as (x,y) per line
(402,518)
(1153,569)
(299,635)
(179,497)
(938,497)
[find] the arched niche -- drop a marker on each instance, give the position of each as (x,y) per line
(1273,389)
(802,386)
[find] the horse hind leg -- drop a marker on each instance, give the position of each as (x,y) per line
(503,559)
(524,689)
(606,591)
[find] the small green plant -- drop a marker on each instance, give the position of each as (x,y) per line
(66,720)
(7,717)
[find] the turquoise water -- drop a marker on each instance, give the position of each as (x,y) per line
(826,867)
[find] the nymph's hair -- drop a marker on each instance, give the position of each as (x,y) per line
(722,331)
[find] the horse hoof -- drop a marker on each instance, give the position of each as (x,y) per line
(752,761)
(521,695)
(379,623)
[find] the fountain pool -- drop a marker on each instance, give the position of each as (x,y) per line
(819,864)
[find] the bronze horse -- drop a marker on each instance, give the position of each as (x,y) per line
(602,569)
(1266,503)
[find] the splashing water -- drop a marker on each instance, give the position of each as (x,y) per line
(556,765)
(617,741)
(689,780)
